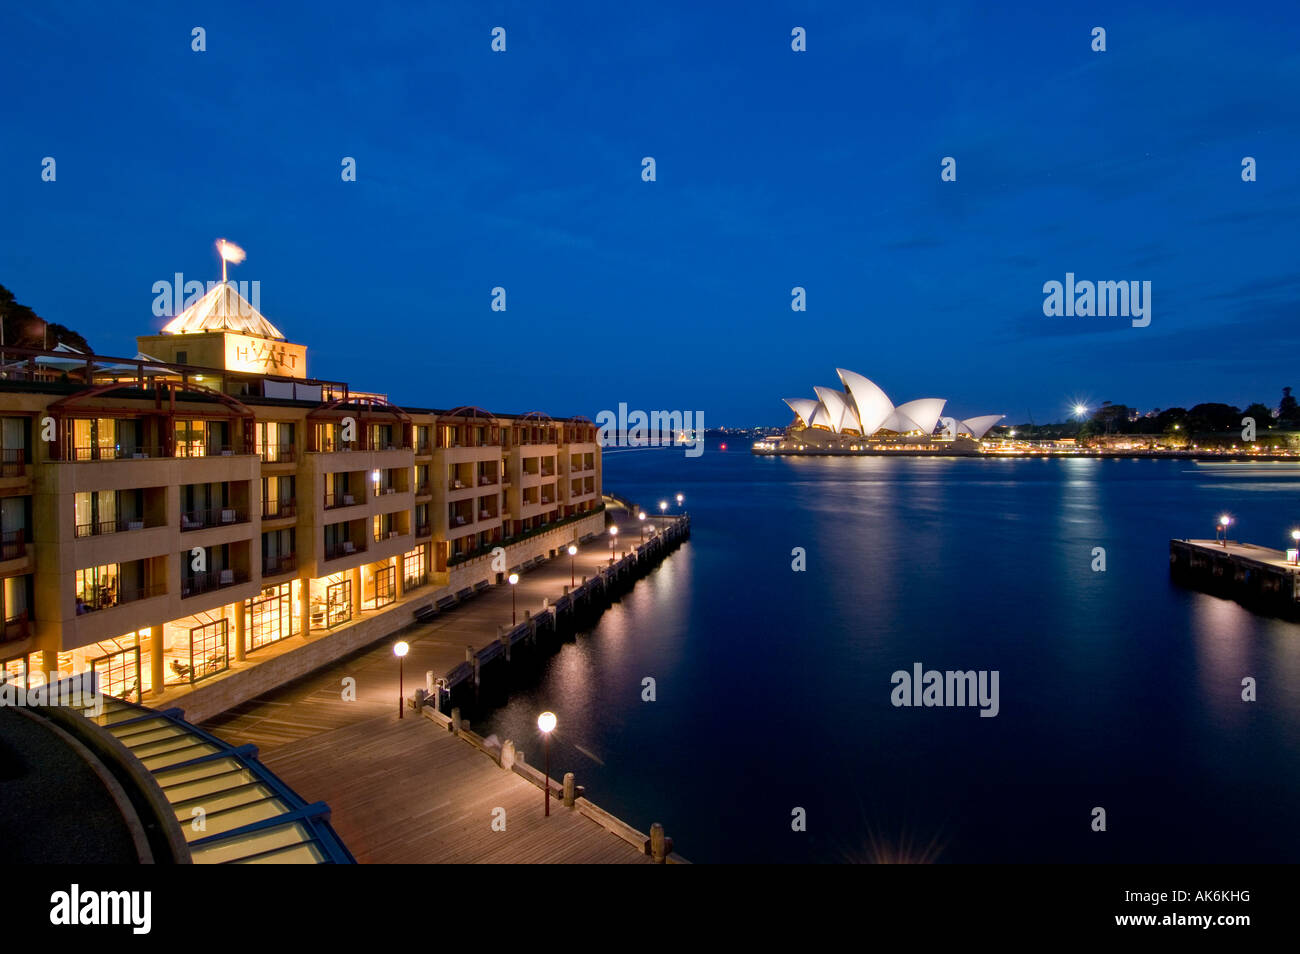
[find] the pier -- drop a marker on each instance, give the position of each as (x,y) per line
(423,787)
(1258,577)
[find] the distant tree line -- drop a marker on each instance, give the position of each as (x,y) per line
(1211,418)
(23,328)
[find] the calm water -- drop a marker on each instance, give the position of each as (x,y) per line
(1117,689)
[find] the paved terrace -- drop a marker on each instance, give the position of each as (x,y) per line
(407,790)
(1247,551)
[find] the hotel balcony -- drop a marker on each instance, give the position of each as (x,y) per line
(344,548)
(106,598)
(13,462)
(217,517)
(13,545)
(278,453)
(424,529)
(336,501)
(279,509)
(15,628)
(192,584)
(277,565)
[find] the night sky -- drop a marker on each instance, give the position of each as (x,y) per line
(775,168)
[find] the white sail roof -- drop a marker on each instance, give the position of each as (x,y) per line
(804,408)
(222,308)
(838,411)
(921,415)
(871,405)
(977,427)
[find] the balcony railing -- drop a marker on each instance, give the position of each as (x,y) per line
(342,548)
(109,452)
(279,453)
(118,525)
(336,500)
(194,583)
(106,597)
(13,544)
(203,449)
(423,489)
(13,462)
(275,565)
(14,628)
(279,509)
(423,529)
(486,480)
(217,517)
(461,519)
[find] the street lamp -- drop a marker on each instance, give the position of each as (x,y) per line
(1223,527)
(573,551)
(514,578)
(546,722)
(680,498)
(1295,538)
(663,508)
(641,522)
(613,536)
(400,649)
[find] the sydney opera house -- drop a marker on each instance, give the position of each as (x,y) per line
(862,418)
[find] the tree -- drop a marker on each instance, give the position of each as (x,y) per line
(1206,418)
(1262,414)
(23,328)
(1288,411)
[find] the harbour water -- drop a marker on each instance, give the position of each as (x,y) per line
(772,688)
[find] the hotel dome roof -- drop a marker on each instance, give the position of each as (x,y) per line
(222,308)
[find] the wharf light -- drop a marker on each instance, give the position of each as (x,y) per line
(573,551)
(546,722)
(514,606)
(400,649)
(514,578)
(679,500)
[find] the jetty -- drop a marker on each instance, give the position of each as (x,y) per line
(1258,577)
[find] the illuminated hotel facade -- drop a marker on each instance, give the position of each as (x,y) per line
(165,519)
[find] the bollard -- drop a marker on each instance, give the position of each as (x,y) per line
(569,790)
(507,755)
(477,673)
(420,696)
(469,654)
(505,643)
(658,844)
(430,681)
(455,720)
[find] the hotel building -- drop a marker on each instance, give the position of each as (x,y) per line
(167,518)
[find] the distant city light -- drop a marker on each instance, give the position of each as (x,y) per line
(1080,410)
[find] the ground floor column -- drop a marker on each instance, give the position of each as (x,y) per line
(241,630)
(304,607)
(399,577)
(356,592)
(156,660)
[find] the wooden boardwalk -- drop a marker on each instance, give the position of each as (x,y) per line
(408,792)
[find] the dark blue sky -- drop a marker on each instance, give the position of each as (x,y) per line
(775,169)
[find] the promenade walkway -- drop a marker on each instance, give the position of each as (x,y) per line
(406,790)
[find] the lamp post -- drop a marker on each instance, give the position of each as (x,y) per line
(663,508)
(514,578)
(573,552)
(640,517)
(400,649)
(1223,528)
(546,722)
(680,498)
(613,538)
(1295,538)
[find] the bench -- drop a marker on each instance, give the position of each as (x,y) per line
(446,601)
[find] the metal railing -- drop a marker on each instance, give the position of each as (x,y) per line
(342,548)
(13,462)
(284,563)
(278,453)
(14,628)
(118,525)
(194,583)
(335,500)
(102,597)
(278,509)
(108,452)
(215,517)
(13,544)
(423,529)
